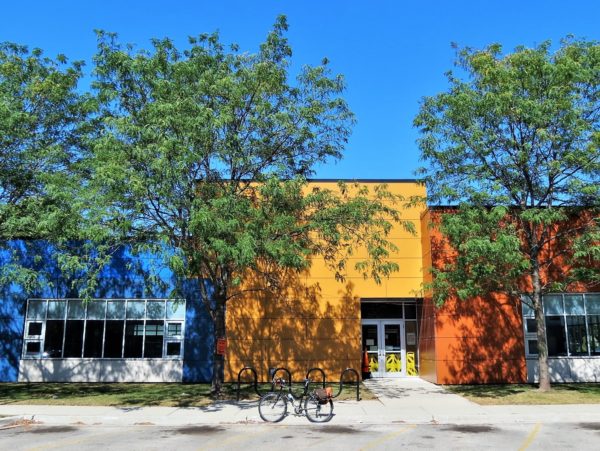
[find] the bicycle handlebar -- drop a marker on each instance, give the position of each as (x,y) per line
(281,381)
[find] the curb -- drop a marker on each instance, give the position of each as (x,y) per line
(6,422)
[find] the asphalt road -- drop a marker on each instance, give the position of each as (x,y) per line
(539,436)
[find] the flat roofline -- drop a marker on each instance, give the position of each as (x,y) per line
(366,180)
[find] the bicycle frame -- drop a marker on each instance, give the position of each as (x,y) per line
(272,406)
(298,409)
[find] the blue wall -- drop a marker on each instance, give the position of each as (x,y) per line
(12,311)
(125,277)
(199,341)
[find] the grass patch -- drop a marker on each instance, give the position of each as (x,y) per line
(136,395)
(528,394)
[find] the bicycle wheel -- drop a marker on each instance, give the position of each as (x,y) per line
(317,412)
(272,407)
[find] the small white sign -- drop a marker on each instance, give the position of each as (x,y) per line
(411,339)
(370,342)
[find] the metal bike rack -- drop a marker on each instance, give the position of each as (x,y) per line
(353,371)
(320,371)
(272,374)
(251,369)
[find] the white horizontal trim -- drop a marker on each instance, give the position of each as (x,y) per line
(100,370)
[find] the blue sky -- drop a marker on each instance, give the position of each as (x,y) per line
(392,53)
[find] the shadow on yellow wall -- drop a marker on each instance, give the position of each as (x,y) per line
(314,320)
(296,328)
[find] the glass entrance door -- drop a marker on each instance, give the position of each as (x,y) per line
(384,343)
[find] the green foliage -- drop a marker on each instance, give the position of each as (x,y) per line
(351,218)
(586,253)
(39,114)
(204,151)
(488,257)
(521,131)
(207,151)
(42,121)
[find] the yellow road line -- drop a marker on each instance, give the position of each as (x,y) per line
(387,437)
(531,437)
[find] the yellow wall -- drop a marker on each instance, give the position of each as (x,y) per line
(315,320)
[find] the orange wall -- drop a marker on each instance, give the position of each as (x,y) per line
(474,341)
(315,320)
(480,341)
(427,355)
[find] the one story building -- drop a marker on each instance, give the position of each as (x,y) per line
(134,330)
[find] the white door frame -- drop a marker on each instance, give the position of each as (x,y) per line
(383,352)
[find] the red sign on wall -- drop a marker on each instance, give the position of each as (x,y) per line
(221,346)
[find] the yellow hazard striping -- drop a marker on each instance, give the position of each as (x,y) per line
(531,437)
(387,437)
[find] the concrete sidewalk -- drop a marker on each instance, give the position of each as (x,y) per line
(411,401)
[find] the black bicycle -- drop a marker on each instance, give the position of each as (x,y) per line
(318,405)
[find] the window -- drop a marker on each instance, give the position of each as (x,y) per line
(36,310)
(53,341)
(73,338)
(174,338)
(154,339)
(555,335)
(100,328)
(94,332)
(593,322)
(33,348)
(134,339)
(173,349)
(174,329)
(34,329)
(113,343)
(572,325)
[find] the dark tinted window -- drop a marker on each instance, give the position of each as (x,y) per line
(173,348)
(94,331)
(555,331)
(113,343)
(380,310)
(73,338)
(34,329)
(134,339)
(154,339)
(53,341)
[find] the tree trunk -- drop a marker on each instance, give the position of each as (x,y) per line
(219,332)
(540,320)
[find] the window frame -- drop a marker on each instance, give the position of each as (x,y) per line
(177,338)
(40,315)
(566,313)
(39,339)
(28,336)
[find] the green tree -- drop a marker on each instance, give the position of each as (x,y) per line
(42,118)
(207,151)
(516,141)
